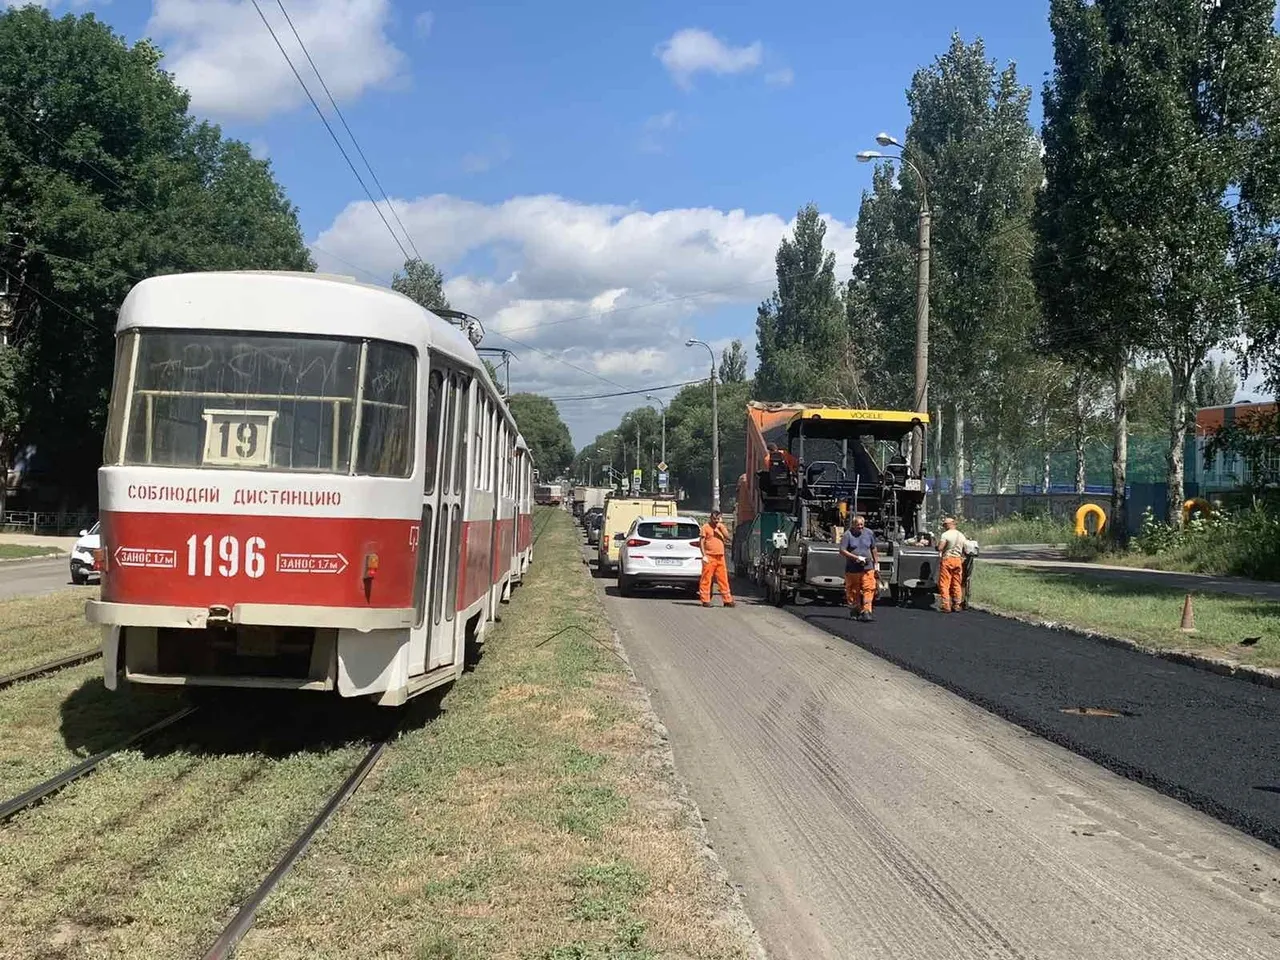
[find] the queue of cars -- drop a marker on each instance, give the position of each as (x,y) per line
(645,542)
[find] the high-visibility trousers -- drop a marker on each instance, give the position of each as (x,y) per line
(714,567)
(951,583)
(860,589)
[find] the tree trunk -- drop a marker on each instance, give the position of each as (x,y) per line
(961,454)
(996,463)
(1078,428)
(1119,522)
(937,463)
(1175,476)
(1046,477)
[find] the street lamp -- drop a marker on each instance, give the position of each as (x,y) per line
(922,292)
(715,426)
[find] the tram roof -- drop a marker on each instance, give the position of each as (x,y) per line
(288,302)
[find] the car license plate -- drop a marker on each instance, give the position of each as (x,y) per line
(668,561)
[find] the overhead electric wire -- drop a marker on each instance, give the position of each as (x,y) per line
(629,393)
(325,120)
(354,141)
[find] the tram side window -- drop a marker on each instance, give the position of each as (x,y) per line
(386,411)
(482,416)
(435,395)
(462,387)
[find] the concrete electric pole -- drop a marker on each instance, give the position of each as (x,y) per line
(922,309)
(715,427)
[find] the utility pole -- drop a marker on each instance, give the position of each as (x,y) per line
(919,434)
(663,406)
(715,427)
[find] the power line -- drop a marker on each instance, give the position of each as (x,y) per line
(628,393)
(354,141)
(329,127)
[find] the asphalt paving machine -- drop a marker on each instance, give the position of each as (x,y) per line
(848,462)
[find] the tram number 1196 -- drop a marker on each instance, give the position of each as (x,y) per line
(200,556)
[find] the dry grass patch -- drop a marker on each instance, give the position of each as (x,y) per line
(534,818)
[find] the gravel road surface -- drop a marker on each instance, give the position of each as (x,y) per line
(1208,740)
(867,813)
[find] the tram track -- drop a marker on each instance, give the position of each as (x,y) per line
(53,666)
(242,922)
(42,791)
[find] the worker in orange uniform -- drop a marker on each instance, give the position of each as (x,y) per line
(776,454)
(714,538)
(861,563)
(950,567)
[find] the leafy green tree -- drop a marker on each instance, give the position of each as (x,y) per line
(545,433)
(1216,384)
(880,297)
(105,179)
(733,363)
(801,329)
(422,283)
(1156,119)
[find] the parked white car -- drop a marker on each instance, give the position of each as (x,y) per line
(660,551)
(82,555)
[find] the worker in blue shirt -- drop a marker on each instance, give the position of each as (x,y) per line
(861,563)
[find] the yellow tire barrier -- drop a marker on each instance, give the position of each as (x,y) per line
(1195,503)
(1082,516)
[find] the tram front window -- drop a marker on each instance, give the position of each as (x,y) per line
(254,401)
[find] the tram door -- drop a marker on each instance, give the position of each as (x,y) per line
(435,578)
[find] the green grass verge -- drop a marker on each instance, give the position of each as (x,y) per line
(1020,530)
(1149,614)
(528,819)
(35,630)
(17,551)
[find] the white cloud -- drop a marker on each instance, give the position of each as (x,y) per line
(260,149)
(692,50)
(498,151)
(609,289)
(782,77)
(423,23)
(221,52)
(652,135)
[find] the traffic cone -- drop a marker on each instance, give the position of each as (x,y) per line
(1188,616)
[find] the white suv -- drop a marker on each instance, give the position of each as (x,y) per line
(661,551)
(82,554)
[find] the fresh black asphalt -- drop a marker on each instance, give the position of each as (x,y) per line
(1210,741)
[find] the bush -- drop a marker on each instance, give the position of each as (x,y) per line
(1087,548)
(1243,544)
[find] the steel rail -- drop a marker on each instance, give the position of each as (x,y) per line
(86,766)
(234,932)
(53,666)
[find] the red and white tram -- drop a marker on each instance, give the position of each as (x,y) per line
(308,483)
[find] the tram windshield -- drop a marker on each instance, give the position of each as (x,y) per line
(267,402)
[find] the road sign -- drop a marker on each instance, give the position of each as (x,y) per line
(636,477)
(662,467)
(662,480)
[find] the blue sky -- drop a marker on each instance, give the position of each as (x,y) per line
(563,159)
